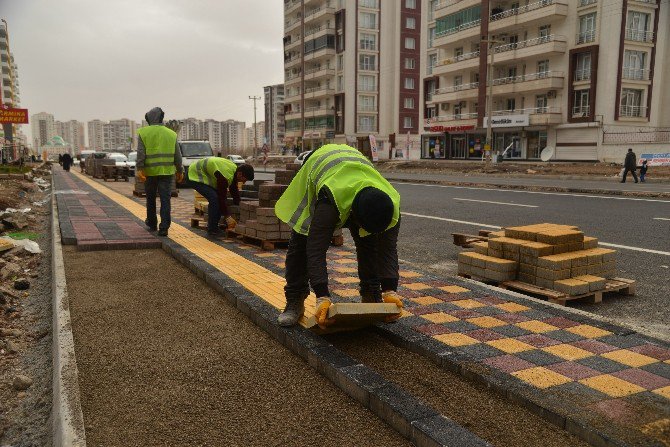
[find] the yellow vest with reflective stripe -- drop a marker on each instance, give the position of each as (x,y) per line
(203,171)
(159,142)
(345,172)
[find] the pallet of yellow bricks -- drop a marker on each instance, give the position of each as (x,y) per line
(548,257)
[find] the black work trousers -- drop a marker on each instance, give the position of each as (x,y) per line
(625,174)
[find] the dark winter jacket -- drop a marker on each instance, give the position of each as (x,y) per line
(631,161)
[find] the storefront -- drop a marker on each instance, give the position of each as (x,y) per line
(434,146)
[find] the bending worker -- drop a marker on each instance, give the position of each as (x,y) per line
(158,159)
(213,177)
(338,187)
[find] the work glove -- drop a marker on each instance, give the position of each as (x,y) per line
(321,313)
(231,223)
(141,176)
(179,177)
(392,297)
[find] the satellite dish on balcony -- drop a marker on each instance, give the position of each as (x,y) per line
(547,153)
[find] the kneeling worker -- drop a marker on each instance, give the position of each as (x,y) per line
(213,177)
(339,187)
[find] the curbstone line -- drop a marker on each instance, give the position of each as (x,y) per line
(438,431)
(398,408)
(67,417)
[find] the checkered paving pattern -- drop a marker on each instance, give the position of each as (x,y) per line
(621,377)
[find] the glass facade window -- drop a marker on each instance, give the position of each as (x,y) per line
(451,22)
(409,83)
(410,23)
(368,42)
(409,103)
(410,63)
(583,67)
(580,105)
(410,43)
(634,63)
(367,62)
(374,4)
(367,83)
(587,28)
(631,103)
(367,20)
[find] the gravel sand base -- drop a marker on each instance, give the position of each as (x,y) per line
(163,360)
(485,413)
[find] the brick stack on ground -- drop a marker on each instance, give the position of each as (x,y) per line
(551,256)
(257,217)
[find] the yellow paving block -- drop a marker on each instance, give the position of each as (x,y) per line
(417,286)
(536,249)
(439,318)
(588,331)
(454,289)
(346,261)
(571,286)
(612,386)
(487,322)
(347,280)
(665,392)
(345,269)
(426,300)
(629,358)
(510,345)
(409,274)
(541,377)
(468,304)
(512,307)
(567,352)
(595,282)
(349,316)
(535,326)
(456,339)
(349,293)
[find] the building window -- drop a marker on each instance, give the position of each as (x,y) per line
(541,103)
(458,52)
(545,32)
(366,103)
(367,83)
(409,103)
(409,83)
(637,24)
(407,122)
(368,42)
(340,83)
(431,37)
(583,67)
(410,23)
(369,4)
(367,62)
(340,62)
(543,67)
(432,61)
(634,63)
(410,43)
(410,63)
(367,20)
(581,103)
(410,4)
(510,104)
(367,123)
(631,103)
(587,28)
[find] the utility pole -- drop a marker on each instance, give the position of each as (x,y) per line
(489,97)
(255,98)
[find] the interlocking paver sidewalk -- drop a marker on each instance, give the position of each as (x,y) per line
(92,221)
(604,382)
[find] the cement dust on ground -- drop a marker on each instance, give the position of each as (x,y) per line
(164,360)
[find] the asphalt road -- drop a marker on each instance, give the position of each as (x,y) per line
(633,226)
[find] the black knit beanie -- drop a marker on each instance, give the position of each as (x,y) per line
(373,210)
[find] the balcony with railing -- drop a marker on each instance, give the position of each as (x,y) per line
(464,31)
(639,35)
(457,63)
(456,119)
(294,43)
(290,6)
(537,115)
(318,92)
(292,114)
(581,111)
(446,7)
(582,75)
(319,110)
(542,10)
(627,111)
(315,31)
(635,74)
(585,37)
(292,60)
(320,12)
(318,53)
(291,78)
(291,24)
(454,92)
(319,72)
(583,3)
(544,80)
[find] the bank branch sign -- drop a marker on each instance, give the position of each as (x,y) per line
(508,121)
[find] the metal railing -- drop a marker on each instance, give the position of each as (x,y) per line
(318,89)
(583,75)
(317,69)
(632,111)
(367,108)
(522,10)
(459,58)
(367,67)
(581,110)
(529,43)
(638,74)
(456,29)
(528,111)
(367,88)
(291,76)
(587,2)
(456,116)
(585,37)
(316,108)
(528,77)
(290,23)
(639,35)
(293,58)
(319,9)
(317,29)
(367,128)
(456,88)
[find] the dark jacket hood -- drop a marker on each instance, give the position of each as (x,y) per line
(154,116)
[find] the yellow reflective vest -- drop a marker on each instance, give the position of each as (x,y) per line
(159,143)
(203,171)
(345,172)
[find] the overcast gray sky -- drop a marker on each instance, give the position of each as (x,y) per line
(87,59)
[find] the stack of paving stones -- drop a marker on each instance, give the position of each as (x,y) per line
(551,256)
(284,177)
(258,219)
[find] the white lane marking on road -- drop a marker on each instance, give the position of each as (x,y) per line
(495,227)
(497,203)
(661,218)
(535,192)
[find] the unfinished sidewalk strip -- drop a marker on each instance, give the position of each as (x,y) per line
(421,424)
(66,414)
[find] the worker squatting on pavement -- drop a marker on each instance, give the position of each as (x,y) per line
(213,177)
(158,161)
(338,187)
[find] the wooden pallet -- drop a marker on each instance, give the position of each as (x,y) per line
(143,194)
(115,173)
(625,286)
(466,240)
(264,244)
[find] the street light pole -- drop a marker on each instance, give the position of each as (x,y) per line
(255,98)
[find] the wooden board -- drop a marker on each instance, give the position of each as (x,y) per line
(265,244)
(464,240)
(351,316)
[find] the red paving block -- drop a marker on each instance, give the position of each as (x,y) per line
(421,310)
(432,329)
(490,300)
(538,340)
(573,370)
(449,296)
(464,313)
(560,322)
(511,317)
(617,410)
(509,363)
(594,346)
(654,351)
(642,378)
(484,335)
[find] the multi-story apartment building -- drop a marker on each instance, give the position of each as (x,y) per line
(192,129)
(233,135)
(95,137)
(352,72)
(255,139)
(212,133)
(275,126)
(72,133)
(581,76)
(9,90)
(119,135)
(43,129)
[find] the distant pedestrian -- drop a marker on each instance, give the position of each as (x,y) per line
(629,164)
(60,159)
(67,162)
(158,161)
(643,170)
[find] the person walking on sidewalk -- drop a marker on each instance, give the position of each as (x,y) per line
(338,187)
(629,164)
(213,177)
(67,161)
(643,171)
(158,161)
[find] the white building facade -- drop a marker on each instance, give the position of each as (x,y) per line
(72,133)
(275,125)
(582,77)
(43,129)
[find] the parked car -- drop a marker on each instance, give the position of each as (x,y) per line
(237,159)
(301,157)
(132,160)
(194,150)
(120,159)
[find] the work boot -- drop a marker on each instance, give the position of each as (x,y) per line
(150,227)
(371,297)
(162,232)
(294,309)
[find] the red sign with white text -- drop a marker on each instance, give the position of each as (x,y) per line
(450,128)
(13,116)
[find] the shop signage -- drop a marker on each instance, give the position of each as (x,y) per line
(508,121)
(330,134)
(13,116)
(373,148)
(656,159)
(451,128)
(312,135)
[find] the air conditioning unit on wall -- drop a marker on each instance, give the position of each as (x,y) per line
(551,94)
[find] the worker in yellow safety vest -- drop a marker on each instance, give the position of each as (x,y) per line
(339,187)
(213,177)
(158,162)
